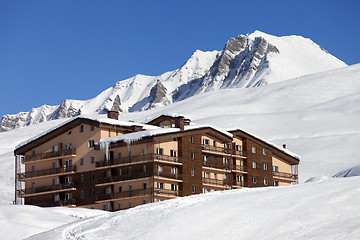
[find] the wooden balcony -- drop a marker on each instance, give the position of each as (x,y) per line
(176,176)
(219,165)
(239,184)
(218,182)
(223,151)
(46,189)
(283,175)
(239,168)
(137,193)
(46,172)
(138,159)
(65,202)
(49,155)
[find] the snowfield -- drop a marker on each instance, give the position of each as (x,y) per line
(317,116)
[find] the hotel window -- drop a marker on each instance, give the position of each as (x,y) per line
(239,178)
(192,155)
(253,149)
(160,168)
(193,189)
(225,176)
(120,189)
(160,185)
(81,194)
(82,178)
(56,198)
(238,148)
(206,175)
(129,153)
(275,168)
(68,163)
(192,139)
(226,161)
(215,175)
(215,159)
(253,164)
(159,151)
(206,141)
(69,132)
(143,151)
(81,128)
(264,151)
(174,170)
(68,146)
(68,180)
(107,190)
(55,148)
(55,181)
(206,190)
(144,168)
(119,206)
(119,172)
(144,201)
(173,187)
(92,193)
(130,204)
(206,158)
(92,160)
(130,187)
(92,128)
(92,176)
(68,196)
(119,155)
(192,172)
(265,166)
(214,143)
(81,161)
(55,164)
(276,183)
(266,181)
(91,143)
(144,185)
(226,145)
(172,153)
(109,133)
(33,201)
(33,152)
(107,173)
(254,180)
(33,168)
(107,207)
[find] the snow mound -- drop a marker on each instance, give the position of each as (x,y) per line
(351,172)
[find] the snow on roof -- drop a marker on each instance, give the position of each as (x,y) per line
(223,131)
(174,115)
(99,118)
(284,150)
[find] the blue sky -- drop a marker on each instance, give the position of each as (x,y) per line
(54,50)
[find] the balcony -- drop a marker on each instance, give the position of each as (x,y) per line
(288,176)
(46,172)
(238,184)
(176,176)
(137,193)
(49,155)
(138,159)
(221,150)
(219,165)
(219,182)
(65,202)
(46,189)
(239,168)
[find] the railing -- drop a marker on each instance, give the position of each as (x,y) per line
(41,156)
(239,168)
(42,189)
(213,181)
(64,202)
(46,172)
(168,175)
(138,158)
(239,184)
(285,175)
(137,193)
(223,150)
(220,165)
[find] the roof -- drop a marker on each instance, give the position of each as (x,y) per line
(165,117)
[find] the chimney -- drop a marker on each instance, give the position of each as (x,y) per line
(180,122)
(284,146)
(135,128)
(113,115)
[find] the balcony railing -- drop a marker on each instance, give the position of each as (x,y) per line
(43,189)
(137,159)
(46,172)
(42,156)
(239,168)
(221,182)
(137,193)
(223,150)
(285,175)
(238,184)
(168,175)
(220,165)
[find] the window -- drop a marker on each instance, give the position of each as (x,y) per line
(265,166)
(69,132)
(239,178)
(238,148)
(159,151)
(174,170)
(143,151)
(33,185)
(160,185)
(144,168)
(81,194)
(33,168)
(107,207)
(264,151)
(33,152)
(92,176)
(68,180)
(119,171)
(172,153)
(144,201)
(119,206)
(215,159)
(130,187)
(55,148)
(81,161)
(275,168)
(160,168)
(192,172)
(82,178)
(276,183)
(55,181)
(92,128)
(109,133)
(192,155)
(92,161)
(253,149)
(206,158)
(206,175)
(206,190)
(226,161)
(254,180)
(206,141)
(173,187)
(144,185)
(214,143)
(117,133)
(68,196)
(81,128)
(192,139)
(33,201)
(226,145)
(266,181)
(119,155)
(107,173)
(253,164)
(130,204)
(107,190)
(193,190)
(68,163)
(215,175)
(225,176)
(56,198)
(91,143)
(120,189)
(55,164)
(129,153)
(68,146)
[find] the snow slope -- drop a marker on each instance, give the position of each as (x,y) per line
(246,61)
(324,210)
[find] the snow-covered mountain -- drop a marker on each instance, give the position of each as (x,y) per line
(246,61)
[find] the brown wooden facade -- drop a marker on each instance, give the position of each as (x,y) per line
(66,168)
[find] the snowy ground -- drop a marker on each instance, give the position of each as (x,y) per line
(317,116)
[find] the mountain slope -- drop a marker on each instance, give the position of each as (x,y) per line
(246,61)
